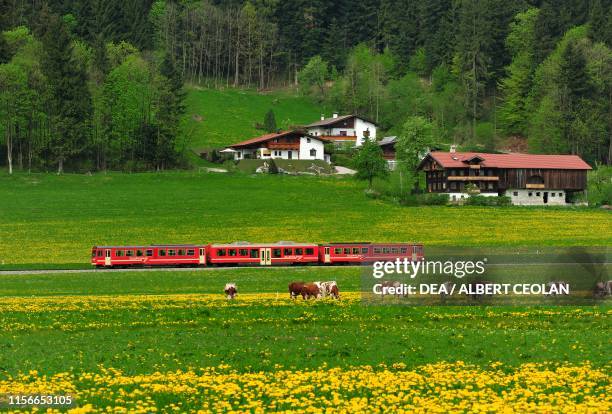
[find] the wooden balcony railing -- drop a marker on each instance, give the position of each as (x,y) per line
(472,178)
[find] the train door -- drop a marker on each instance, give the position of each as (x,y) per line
(107,257)
(326,258)
(202,256)
(415,255)
(265,256)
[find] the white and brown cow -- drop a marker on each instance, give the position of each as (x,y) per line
(230,290)
(328,289)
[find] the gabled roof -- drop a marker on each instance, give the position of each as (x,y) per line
(268,137)
(332,120)
(387,141)
(551,162)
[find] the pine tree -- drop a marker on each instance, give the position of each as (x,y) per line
(270,121)
(601,23)
(69,101)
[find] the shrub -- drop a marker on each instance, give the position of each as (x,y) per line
(479,200)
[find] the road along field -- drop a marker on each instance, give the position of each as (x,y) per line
(145,341)
(52,221)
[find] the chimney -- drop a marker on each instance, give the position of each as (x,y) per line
(453,148)
(335,115)
(322,117)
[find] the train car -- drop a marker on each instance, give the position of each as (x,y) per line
(264,254)
(146,256)
(364,252)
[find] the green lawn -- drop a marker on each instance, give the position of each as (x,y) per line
(54,220)
(216,118)
(140,322)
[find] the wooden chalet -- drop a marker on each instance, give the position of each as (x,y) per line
(343,129)
(527,179)
(295,144)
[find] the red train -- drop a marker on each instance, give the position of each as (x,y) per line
(247,254)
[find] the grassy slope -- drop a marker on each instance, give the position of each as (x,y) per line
(56,219)
(141,334)
(230,115)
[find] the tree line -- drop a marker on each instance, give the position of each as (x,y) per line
(478,70)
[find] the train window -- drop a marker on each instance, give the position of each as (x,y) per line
(181,252)
(190,252)
(138,252)
(364,250)
(243,252)
(287,252)
(221,252)
(99,253)
(337,251)
(386,250)
(395,250)
(118,253)
(377,250)
(171,252)
(309,251)
(231,252)
(149,252)
(254,253)
(299,252)
(355,250)
(93,253)
(161,252)
(129,252)
(347,250)
(404,250)
(276,252)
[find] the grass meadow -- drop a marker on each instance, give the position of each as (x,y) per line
(48,220)
(216,118)
(168,341)
(141,341)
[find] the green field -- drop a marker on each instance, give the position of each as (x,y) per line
(216,118)
(48,220)
(175,320)
(54,220)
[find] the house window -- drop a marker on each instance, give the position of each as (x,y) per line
(342,133)
(538,194)
(313,152)
(490,186)
(308,140)
(515,193)
(552,194)
(530,194)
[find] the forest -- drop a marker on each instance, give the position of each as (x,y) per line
(100,84)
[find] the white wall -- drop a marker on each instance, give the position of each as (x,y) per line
(306,146)
(360,127)
(523,197)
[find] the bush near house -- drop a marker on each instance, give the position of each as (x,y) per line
(479,200)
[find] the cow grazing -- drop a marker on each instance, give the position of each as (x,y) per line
(310,290)
(230,290)
(603,289)
(448,288)
(295,289)
(328,289)
(385,285)
(475,286)
(557,286)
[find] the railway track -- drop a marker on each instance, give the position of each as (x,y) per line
(215,268)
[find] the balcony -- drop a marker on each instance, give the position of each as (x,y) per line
(283,146)
(472,178)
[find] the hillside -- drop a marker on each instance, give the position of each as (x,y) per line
(216,118)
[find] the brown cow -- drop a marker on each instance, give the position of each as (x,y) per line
(295,289)
(310,290)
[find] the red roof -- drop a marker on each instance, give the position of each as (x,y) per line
(269,137)
(552,162)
